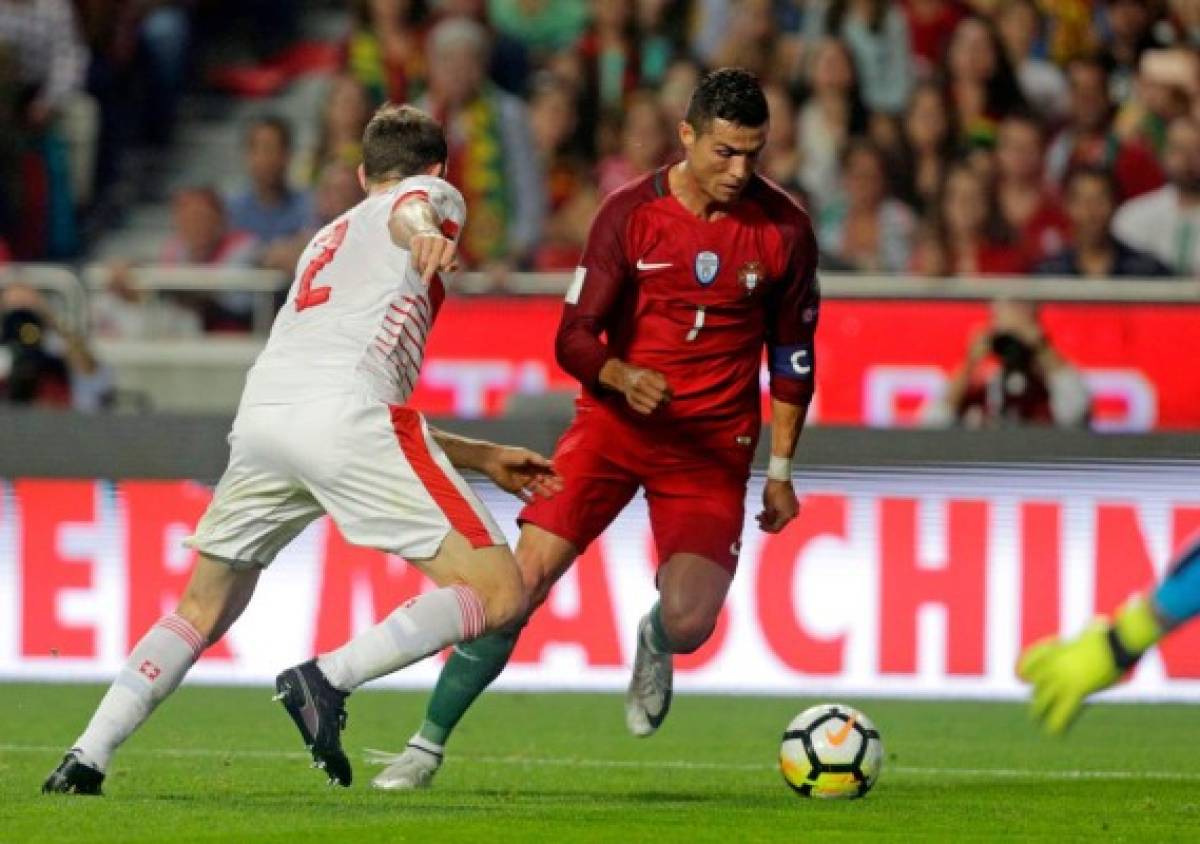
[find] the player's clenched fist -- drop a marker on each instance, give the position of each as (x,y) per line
(780,506)
(432,252)
(644,389)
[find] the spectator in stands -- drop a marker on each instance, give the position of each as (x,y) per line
(1166,222)
(204,237)
(492,157)
(1183,21)
(609,59)
(645,142)
(343,119)
(139,60)
(572,196)
(42,361)
(1094,251)
(1013,375)
(1042,82)
(751,40)
(542,26)
(928,143)
(51,119)
(780,159)
(203,234)
(676,89)
(384,49)
(1029,208)
(930,25)
(1088,140)
(876,32)
(269,208)
(1167,80)
(967,235)
(1069,29)
(1129,33)
(661,26)
(833,113)
(337,191)
(982,85)
(50,57)
(865,229)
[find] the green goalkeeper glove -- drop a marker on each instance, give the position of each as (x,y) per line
(1064,673)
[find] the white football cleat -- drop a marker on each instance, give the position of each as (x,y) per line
(649,697)
(407,771)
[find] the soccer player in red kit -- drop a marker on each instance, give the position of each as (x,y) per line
(687,274)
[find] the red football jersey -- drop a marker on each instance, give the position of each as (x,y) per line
(696,300)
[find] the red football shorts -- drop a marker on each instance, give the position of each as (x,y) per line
(696,494)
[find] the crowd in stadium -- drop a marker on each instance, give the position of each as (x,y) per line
(933,137)
(930,136)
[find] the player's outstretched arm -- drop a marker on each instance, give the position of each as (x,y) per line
(415,226)
(524,473)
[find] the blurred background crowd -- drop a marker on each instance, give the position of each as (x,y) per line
(932,137)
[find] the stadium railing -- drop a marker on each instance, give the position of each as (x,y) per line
(841,285)
(263,286)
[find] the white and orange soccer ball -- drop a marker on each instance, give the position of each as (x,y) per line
(831,751)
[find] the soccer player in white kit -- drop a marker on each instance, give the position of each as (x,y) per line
(323,427)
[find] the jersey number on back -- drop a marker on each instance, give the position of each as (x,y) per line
(309,296)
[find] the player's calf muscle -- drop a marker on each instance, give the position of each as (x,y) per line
(215,596)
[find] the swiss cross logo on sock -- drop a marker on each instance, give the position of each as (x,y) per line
(149,669)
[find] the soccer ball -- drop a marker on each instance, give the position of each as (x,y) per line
(831,751)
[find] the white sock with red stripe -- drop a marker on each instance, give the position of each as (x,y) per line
(420,627)
(152,671)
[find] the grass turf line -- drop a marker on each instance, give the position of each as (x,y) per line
(225,764)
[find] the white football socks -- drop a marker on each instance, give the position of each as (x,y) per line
(422,626)
(154,669)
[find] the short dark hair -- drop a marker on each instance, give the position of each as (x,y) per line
(729,93)
(401,141)
(276,124)
(1093,171)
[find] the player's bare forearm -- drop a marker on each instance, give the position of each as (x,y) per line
(524,473)
(780,504)
(464,452)
(787,422)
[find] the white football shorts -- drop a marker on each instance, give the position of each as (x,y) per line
(373,467)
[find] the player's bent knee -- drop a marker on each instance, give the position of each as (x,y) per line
(506,601)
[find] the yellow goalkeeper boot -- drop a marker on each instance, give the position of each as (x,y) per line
(1064,673)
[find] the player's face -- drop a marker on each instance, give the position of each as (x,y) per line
(723,157)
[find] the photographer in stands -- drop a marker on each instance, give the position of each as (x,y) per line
(1014,376)
(42,362)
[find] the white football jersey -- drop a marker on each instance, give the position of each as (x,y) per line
(357,314)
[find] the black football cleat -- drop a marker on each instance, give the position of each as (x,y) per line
(73,777)
(319,712)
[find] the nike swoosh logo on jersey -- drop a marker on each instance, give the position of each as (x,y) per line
(643,266)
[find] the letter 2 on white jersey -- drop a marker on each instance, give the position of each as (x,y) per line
(357,314)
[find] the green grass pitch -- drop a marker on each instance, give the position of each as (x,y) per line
(221,764)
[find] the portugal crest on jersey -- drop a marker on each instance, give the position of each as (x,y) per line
(707,265)
(750,275)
